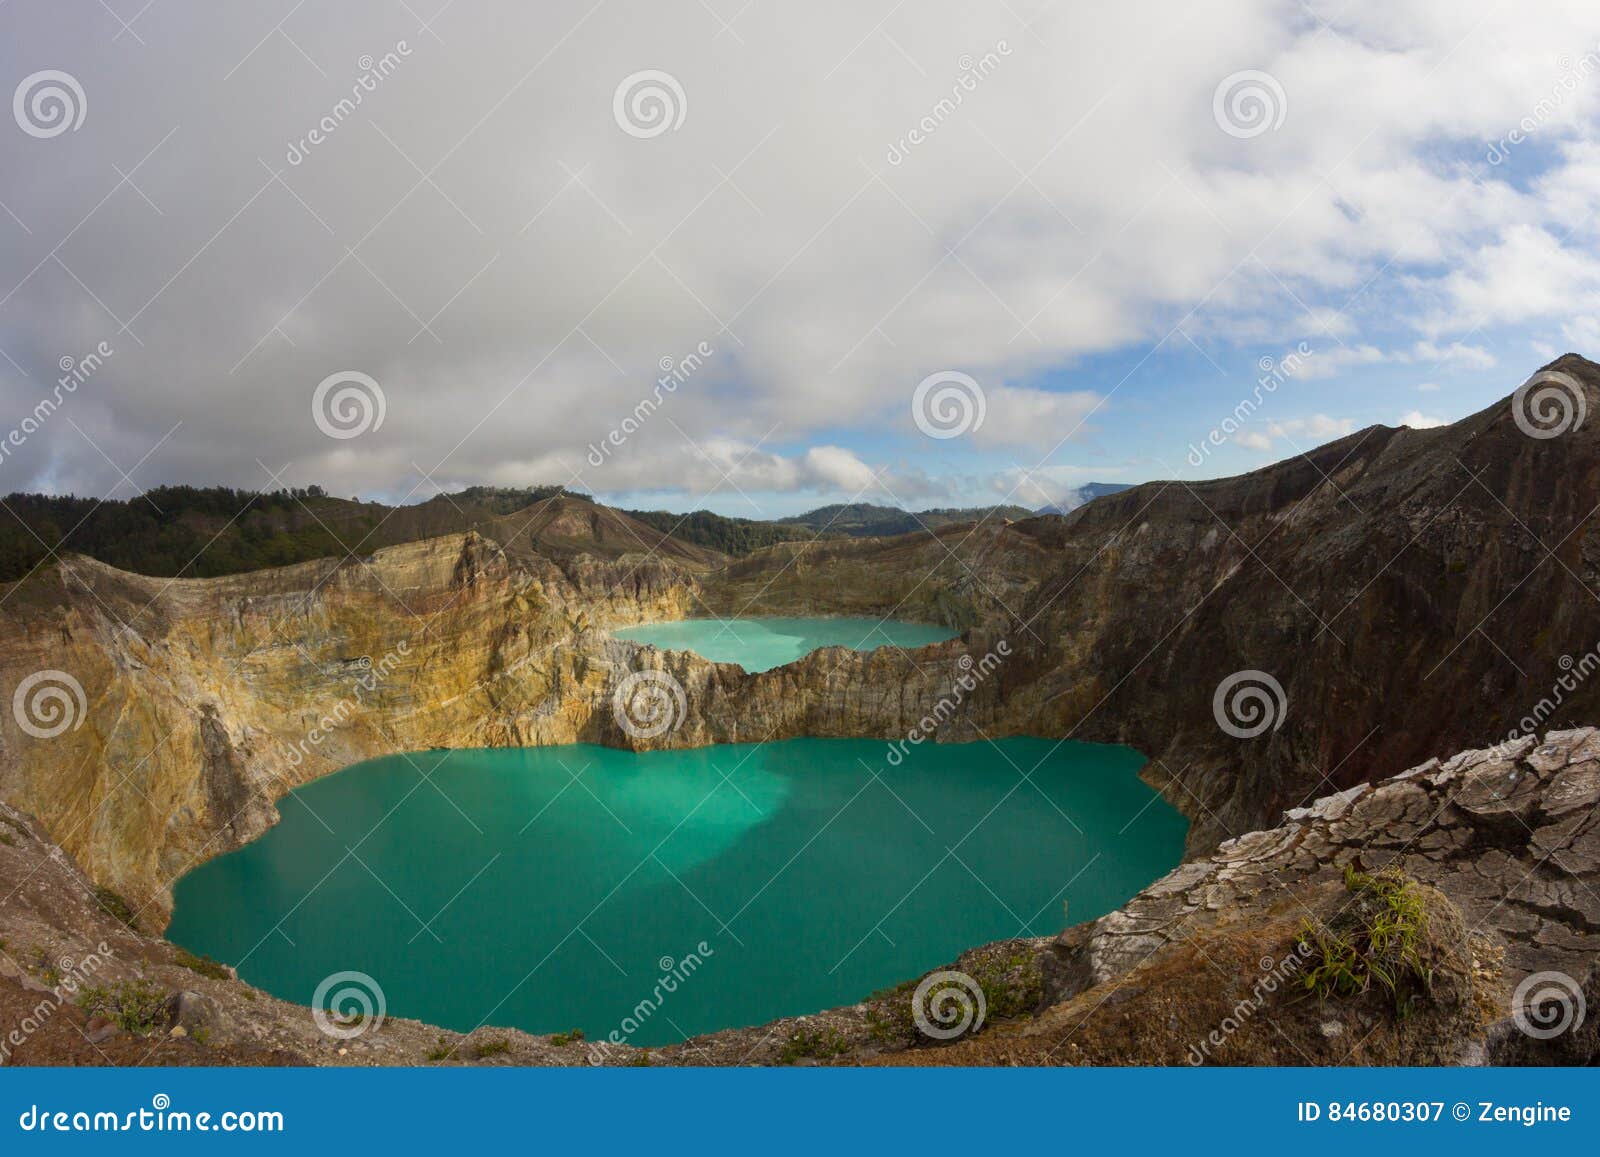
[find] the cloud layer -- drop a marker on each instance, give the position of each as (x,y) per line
(839,200)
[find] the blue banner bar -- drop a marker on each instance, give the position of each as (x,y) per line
(829,1111)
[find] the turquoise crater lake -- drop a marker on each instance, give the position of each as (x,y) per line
(552,888)
(761,644)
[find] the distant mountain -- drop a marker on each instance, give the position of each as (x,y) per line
(202,532)
(1076,498)
(867,520)
(735,536)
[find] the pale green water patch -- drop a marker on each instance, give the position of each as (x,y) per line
(761,644)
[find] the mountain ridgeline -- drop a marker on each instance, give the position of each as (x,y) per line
(205,532)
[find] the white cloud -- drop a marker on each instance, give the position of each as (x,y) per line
(1417,420)
(1319,428)
(1330,363)
(1035,419)
(515,304)
(1456,355)
(1338,361)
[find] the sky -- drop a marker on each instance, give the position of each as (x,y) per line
(754,256)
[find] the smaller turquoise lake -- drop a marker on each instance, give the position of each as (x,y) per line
(762,644)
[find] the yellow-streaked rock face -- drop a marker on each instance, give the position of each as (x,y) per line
(206,700)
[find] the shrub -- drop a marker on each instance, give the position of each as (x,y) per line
(814,1044)
(494,1048)
(204,965)
(135,1006)
(113,905)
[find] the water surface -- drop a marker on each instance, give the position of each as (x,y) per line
(761,644)
(551,888)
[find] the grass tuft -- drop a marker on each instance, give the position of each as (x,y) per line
(1375,941)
